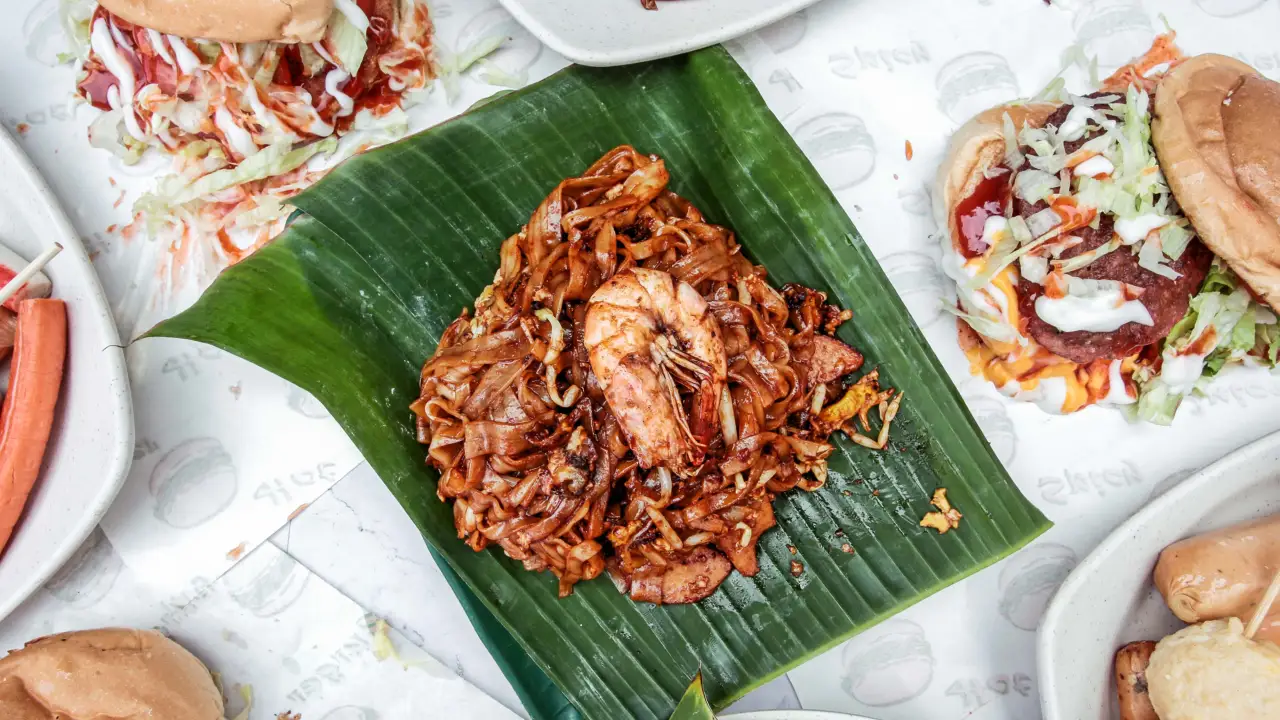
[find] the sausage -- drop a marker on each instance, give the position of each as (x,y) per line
(26,420)
(1131,681)
(1221,574)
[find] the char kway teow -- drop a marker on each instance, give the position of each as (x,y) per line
(631,394)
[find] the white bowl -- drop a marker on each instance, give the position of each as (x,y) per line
(1109,600)
(619,32)
(91,447)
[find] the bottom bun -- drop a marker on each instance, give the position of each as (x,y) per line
(108,673)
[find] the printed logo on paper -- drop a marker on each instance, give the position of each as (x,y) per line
(839,146)
(973,82)
(193,482)
(1029,580)
(887,665)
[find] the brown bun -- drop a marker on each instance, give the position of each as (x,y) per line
(976,146)
(229,20)
(109,673)
(1214,134)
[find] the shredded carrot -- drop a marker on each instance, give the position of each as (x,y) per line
(1163,50)
(1080,156)
(910,152)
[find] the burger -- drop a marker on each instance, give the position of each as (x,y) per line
(109,673)
(1121,247)
(242,95)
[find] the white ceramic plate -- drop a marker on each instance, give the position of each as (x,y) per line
(92,443)
(1109,600)
(619,32)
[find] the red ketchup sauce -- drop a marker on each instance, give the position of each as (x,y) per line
(988,199)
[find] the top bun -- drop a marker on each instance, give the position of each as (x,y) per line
(109,673)
(1214,133)
(975,147)
(234,21)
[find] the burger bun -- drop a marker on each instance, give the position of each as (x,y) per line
(977,146)
(1214,134)
(233,21)
(108,673)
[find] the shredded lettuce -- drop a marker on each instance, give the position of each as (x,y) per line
(270,161)
(75,15)
(986,327)
(1243,330)
(1174,237)
(346,42)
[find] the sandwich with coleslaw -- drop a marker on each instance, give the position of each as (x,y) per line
(1119,248)
(243,95)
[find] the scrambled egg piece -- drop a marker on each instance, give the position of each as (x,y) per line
(857,401)
(946,518)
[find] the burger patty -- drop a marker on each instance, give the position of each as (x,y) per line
(1167,300)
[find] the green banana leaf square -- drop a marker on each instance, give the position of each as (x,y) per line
(349,302)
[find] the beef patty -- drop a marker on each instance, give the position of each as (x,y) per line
(1167,300)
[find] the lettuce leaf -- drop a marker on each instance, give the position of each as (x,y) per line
(346,42)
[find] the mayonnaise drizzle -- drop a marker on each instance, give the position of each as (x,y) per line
(1077,120)
(157,42)
(239,138)
(353,13)
(1094,167)
(187,60)
(1133,229)
(1180,372)
(1097,310)
(101,40)
(1117,393)
(335,77)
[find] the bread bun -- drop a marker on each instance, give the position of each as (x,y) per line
(1214,134)
(975,147)
(229,20)
(109,673)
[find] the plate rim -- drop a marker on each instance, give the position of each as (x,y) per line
(117,471)
(566,46)
(1200,482)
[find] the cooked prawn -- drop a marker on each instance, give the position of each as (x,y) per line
(647,335)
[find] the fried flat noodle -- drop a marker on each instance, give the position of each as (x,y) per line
(531,451)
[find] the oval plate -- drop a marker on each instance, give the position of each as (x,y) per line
(92,443)
(1109,600)
(620,32)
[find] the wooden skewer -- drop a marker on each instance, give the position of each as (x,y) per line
(1264,606)
(28,272)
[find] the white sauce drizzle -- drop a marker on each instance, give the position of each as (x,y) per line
(334,78)
(1093,310)
(1131,230)
(1094,167)
(1050,393)
(102,42)
(319,48)
(187,60)
(1077,120)
(1180,372)
(1117,393)
(239,139)
(266,117)
(158,44)
(353,13)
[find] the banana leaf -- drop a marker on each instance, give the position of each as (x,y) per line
(389,247)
